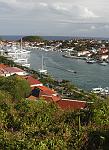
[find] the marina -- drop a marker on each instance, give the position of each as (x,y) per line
(17,53)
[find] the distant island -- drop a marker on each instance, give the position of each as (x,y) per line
(33,39)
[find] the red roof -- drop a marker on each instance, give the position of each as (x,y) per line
(13,69)
(45,90)
(3,71)
(3,66)
(71,104)
(51,98)
(32,81)
(48,94)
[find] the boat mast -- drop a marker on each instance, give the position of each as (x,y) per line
(21,44)
(42,62)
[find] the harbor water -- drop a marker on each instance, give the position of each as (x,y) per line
(87,76)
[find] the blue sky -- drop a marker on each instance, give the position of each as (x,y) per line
(59,17)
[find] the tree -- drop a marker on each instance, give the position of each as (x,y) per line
(16,86)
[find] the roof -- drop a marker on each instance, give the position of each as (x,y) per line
(66,104)
(51,98)
(3,71)
(31,97)
(3,66)
(13,69)
(32,81)
(46,90)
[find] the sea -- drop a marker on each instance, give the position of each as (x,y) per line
(17,37)
(87,76)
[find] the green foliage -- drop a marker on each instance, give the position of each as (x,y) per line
(100,110)
(36,125)
(39,125)
(32,39)
(6,61)
(17,87)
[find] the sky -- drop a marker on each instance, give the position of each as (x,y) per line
(55,17)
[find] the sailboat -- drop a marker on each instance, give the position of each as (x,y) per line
(42,70)
(23,50)
(21,56)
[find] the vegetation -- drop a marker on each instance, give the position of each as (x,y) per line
(32,39)
(16,86)
(38,125)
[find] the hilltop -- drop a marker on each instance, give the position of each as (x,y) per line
(32,39)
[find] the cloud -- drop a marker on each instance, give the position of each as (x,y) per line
(51,10)
(43,4)
(92,27)
(88,14)
(59,16)
(74,11)
(106,26)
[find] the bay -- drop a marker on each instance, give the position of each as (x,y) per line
(87,77)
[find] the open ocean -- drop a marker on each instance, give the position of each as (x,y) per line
(17,37)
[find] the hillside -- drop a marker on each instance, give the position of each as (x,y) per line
(41,125)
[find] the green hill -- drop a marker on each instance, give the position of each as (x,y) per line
(33,39)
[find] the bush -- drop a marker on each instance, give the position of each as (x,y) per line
(17,87)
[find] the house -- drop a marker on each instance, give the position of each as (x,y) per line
(40,91)
(104,56)
(3,66)
(32,81)
(68,104)
(45,93)
(104,50)
(4,73)
(14,70)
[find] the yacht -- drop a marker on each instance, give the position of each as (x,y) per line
(90,61)
(102,91)
(97,90)
(19,55)
(26,65)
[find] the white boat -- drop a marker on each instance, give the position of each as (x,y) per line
(20,60)
(23,50)
(72,71)
(14,51)
(90,61)
(97,90)
(42,70)
(103,63)
(19,55)
(106,90)
(26,65)
(102,91)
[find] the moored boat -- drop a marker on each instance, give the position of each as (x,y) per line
(91,61)
(42,70)
(103,63)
